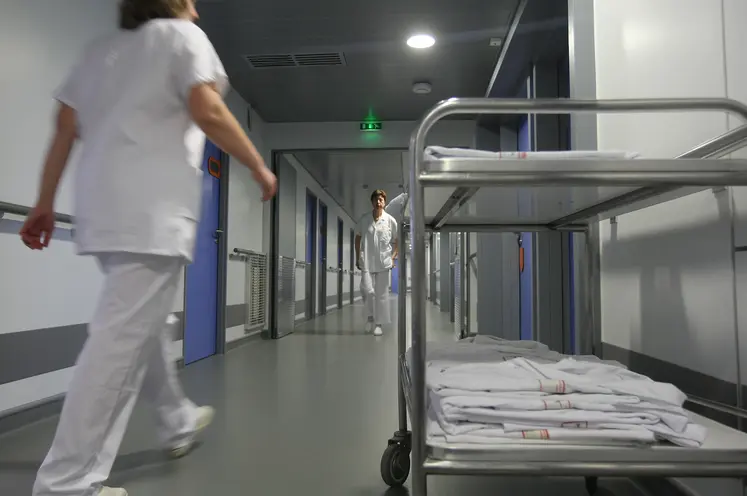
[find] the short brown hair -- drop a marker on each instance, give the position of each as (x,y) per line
(135,13)
(378,192)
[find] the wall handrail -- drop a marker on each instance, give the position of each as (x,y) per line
(15,209)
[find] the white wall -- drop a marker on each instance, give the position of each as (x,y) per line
(39,42)
(667,270)
(246,211)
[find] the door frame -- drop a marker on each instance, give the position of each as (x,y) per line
(352,266)
(322,232)
(275,155)
(311,267)
(222,269)
(340,262)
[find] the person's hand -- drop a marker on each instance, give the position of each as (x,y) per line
(267,181)
(358,264)
(38,228)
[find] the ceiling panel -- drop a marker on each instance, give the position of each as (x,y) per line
(350,177)
(378,70)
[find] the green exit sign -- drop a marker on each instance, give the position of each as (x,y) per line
(371,126)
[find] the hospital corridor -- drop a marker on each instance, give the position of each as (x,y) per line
(373,249)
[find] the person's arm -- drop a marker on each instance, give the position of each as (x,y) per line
(58,155)
(36,232)
(201,82)
(395,249)
(210,112)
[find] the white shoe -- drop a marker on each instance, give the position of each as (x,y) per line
(112,491)
(369,326)
(378,331)
(205,415)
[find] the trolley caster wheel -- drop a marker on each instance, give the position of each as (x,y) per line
(591,485)
(395,465)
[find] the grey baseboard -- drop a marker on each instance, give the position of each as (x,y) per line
(30,414)
(49,407)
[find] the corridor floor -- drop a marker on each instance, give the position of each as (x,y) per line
(309,414)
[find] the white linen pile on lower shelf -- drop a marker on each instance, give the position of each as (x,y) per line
(491,391)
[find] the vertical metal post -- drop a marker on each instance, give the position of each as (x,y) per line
(468,284)
(417,232)
(592,339)
(402,324)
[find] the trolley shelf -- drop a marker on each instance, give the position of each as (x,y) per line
(724,454)
(543,192)
(556,194)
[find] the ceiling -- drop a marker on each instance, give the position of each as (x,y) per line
(359,65)
(351,176)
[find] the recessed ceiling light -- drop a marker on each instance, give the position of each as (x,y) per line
(421,41)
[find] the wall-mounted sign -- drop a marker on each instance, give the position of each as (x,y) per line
(214,167)
(371,126)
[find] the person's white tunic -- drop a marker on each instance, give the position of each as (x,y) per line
(138,177)
(138,194)
(377,236)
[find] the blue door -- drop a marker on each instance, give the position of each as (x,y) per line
(395,277)
(201,287)
(526,276)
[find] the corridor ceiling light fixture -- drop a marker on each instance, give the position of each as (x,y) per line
(421,41)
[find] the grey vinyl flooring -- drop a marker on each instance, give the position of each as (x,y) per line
(309,414)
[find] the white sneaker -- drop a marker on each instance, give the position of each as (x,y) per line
(378,331)
(112,491)
(369,326)
(205,415)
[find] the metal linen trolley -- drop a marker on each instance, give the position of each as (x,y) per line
(646,182)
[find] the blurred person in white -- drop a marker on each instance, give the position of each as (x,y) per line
(141,102)
(376,249)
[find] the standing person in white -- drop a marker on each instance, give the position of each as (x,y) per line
(375,251)
(140,102)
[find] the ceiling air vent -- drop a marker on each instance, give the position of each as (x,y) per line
(319,59)
(267,61)
(270,61)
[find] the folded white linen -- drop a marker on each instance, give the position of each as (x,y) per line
(560,409)
(486,390)
(436,152)
(496,435)
(565,376)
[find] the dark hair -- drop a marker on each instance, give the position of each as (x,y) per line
(135,13)
(378,192)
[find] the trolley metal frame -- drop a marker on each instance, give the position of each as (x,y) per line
(697,167)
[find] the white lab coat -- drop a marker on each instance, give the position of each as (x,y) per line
(377,238)
(138,193)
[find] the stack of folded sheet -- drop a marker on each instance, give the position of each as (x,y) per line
(490,391)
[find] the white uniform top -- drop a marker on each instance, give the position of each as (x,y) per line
(138,178)
(377,237)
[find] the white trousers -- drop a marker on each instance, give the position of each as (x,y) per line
(375,291)
(127,349)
